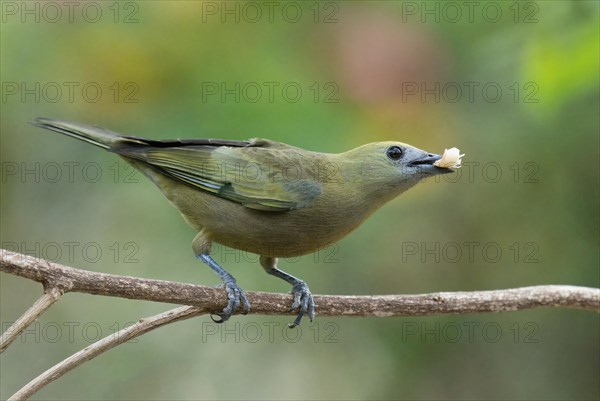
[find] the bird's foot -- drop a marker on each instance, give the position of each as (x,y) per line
(303,299)
(236,297)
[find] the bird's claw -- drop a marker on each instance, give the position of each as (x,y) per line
(303,300)
(236,297)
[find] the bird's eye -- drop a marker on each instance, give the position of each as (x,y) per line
(394,152)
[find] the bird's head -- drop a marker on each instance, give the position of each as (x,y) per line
(386,169)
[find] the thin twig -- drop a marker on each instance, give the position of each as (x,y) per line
(141,327)
(48,299)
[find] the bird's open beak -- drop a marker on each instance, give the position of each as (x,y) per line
(425,165)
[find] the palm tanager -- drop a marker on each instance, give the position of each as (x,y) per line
(267,197)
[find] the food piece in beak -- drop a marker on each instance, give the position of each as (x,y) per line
(450,159)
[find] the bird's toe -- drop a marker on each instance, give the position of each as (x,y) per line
(236,297)
(303,300)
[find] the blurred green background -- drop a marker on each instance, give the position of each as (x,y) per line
(517,91)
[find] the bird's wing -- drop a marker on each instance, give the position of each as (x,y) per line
(259,174)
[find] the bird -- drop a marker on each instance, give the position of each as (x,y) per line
(265,197)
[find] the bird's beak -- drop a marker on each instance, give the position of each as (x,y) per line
(425,165)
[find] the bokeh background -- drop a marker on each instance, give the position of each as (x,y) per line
(524,211)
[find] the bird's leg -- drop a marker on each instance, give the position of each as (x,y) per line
(235,294)
(303,299)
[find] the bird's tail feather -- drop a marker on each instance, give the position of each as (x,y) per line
(95,135)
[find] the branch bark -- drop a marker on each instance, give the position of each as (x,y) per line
(68,279)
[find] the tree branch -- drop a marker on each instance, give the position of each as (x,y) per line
(44,302)
(214,300)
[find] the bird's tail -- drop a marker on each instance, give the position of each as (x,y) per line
(95,135)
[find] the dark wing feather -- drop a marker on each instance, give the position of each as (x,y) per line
(168,143)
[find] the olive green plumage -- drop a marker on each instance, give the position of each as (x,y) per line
(262,196)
